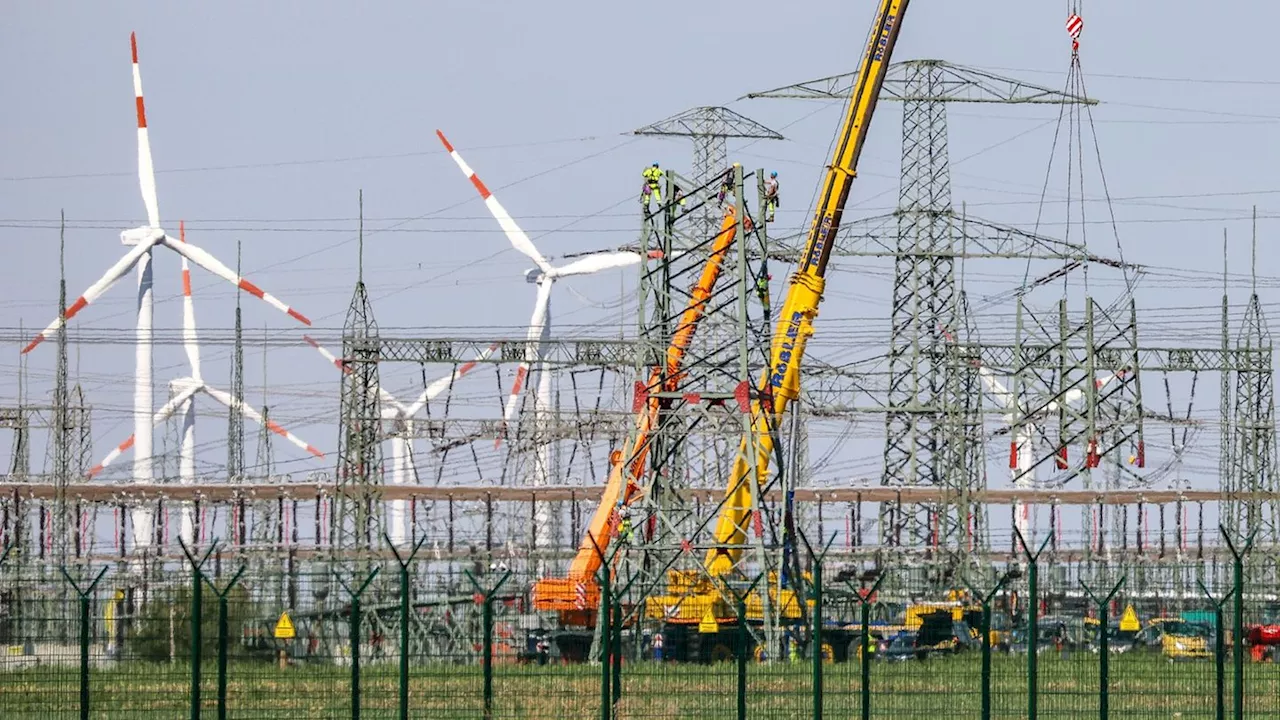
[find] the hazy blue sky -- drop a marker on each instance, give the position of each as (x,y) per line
(267,117)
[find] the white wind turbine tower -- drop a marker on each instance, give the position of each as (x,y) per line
(183,392)
(400,418)
(1022,467)
(545,276)
(142,240)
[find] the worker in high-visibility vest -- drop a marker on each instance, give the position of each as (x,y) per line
(770,196)
(652,185)
(625,532)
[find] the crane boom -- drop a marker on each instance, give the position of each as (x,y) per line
(781,382)
(562,593)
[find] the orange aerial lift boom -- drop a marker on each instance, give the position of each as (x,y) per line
(579,591)
(781,382)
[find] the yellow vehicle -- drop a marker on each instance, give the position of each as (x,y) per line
(1177,638)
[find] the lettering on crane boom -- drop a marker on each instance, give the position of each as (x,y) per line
(784,353)
(284,627)
(882,43)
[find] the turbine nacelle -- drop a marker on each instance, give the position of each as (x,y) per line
(533,276)
(142,236)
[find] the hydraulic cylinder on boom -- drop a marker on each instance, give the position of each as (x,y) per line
(781,382)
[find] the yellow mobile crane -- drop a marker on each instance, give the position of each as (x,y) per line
(693,597)
(781,383)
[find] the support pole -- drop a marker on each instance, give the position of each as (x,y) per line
(197,615)
(354,634)
(86,596)
(1104,647)
(986,639)
(404,619)
(1033,625)
(865,660)
(1219,650)
(1237,623)
(486,618)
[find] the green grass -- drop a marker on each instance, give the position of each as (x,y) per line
(1141,687)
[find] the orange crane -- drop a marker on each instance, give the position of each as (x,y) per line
(579,591)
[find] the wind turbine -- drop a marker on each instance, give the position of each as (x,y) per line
(183,392)
(142,240)
(400,418)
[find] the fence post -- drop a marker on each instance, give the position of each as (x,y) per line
(222,639)
(740,609)
(1104,646)
(486,619)
(616,678)
(816,641)
(1033,625)
(1237,623)
(85,595)
(606,641)
(197,615)
(864,601)
(1219,651)
(986,638)
(354,633)
(404,619)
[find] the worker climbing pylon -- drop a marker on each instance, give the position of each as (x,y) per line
(625,532)
(652,185)
(726,183)
(770,196)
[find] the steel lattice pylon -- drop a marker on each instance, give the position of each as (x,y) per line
(357,519)
(1249,440)
(931,424)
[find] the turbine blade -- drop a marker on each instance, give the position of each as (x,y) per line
(533,350)
(519,240)
(439,385)
(338,363)
(996,387)
(207,261)
(598,262)
(95,291)
(273,426)
(146,172)
(160,416)
(190,342)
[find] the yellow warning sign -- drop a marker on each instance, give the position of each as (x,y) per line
(284,627)
(708,624)
(1129,621)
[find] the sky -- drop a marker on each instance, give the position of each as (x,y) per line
(266,120)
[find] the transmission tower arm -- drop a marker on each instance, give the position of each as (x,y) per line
(781,383)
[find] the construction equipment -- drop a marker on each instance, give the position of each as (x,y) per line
(577,596)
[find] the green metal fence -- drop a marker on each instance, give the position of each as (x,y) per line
(414,636)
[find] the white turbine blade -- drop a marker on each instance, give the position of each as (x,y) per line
(95,291)
(161,415)
(532,352)
(519,240)
(324,352)
(236,403)
(1074,395)
(439,385)
(190,342)
(146,172)
(215,266)
(596,263)
(996,388)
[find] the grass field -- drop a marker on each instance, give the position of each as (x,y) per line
(1141,687)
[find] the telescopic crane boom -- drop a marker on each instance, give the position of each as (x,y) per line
(781,382)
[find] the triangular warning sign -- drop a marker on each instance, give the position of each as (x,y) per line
(284,627)
(708,624)
(1129,621)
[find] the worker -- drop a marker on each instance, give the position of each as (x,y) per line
(726,183)
(652,185)
(624,525)
(657,646)
(770,196)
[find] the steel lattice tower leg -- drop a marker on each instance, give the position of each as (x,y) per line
(923,292)
(356,523)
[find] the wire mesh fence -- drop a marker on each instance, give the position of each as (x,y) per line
(409,636)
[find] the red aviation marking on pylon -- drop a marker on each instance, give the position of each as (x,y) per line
(1075,24)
